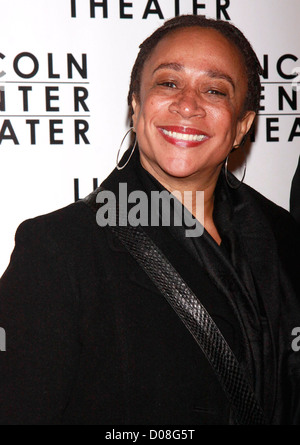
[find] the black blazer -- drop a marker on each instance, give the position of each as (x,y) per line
(90,340)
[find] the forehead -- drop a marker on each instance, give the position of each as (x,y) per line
(198,48)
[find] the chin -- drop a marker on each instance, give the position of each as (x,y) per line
(179,168)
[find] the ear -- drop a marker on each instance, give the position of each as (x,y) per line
(136,109)
(243,126)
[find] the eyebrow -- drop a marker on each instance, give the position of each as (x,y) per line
(172,66)
(220,75)
(214,74)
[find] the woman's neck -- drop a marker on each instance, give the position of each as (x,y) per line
(187,190)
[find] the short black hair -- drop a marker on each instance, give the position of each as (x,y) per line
(228,30)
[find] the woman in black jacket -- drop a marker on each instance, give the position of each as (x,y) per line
(91,336)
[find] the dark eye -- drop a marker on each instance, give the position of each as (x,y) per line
(216,92)
(168,84)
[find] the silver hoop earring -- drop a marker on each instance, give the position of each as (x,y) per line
(236,186)
(133,148)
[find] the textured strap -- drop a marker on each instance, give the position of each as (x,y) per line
(197,320)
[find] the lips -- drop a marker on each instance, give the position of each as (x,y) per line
(183,136)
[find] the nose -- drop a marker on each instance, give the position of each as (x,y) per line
(188,104)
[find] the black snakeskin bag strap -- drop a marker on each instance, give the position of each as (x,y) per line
(244,405)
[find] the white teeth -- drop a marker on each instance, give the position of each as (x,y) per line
(184,136)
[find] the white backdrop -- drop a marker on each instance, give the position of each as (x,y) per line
(64,75)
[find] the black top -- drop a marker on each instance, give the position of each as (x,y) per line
(214,300)
(90,340)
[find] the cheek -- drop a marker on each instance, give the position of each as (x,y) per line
(153,108)
(223,119)
(222,110)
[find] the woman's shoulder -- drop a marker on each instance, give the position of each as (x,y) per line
(275,214)
(68,225)
(285,229)
(276,229)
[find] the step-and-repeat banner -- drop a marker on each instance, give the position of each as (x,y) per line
(64,74)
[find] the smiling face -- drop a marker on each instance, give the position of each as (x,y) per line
(188,115)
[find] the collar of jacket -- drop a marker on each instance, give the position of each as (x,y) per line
(262,230)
